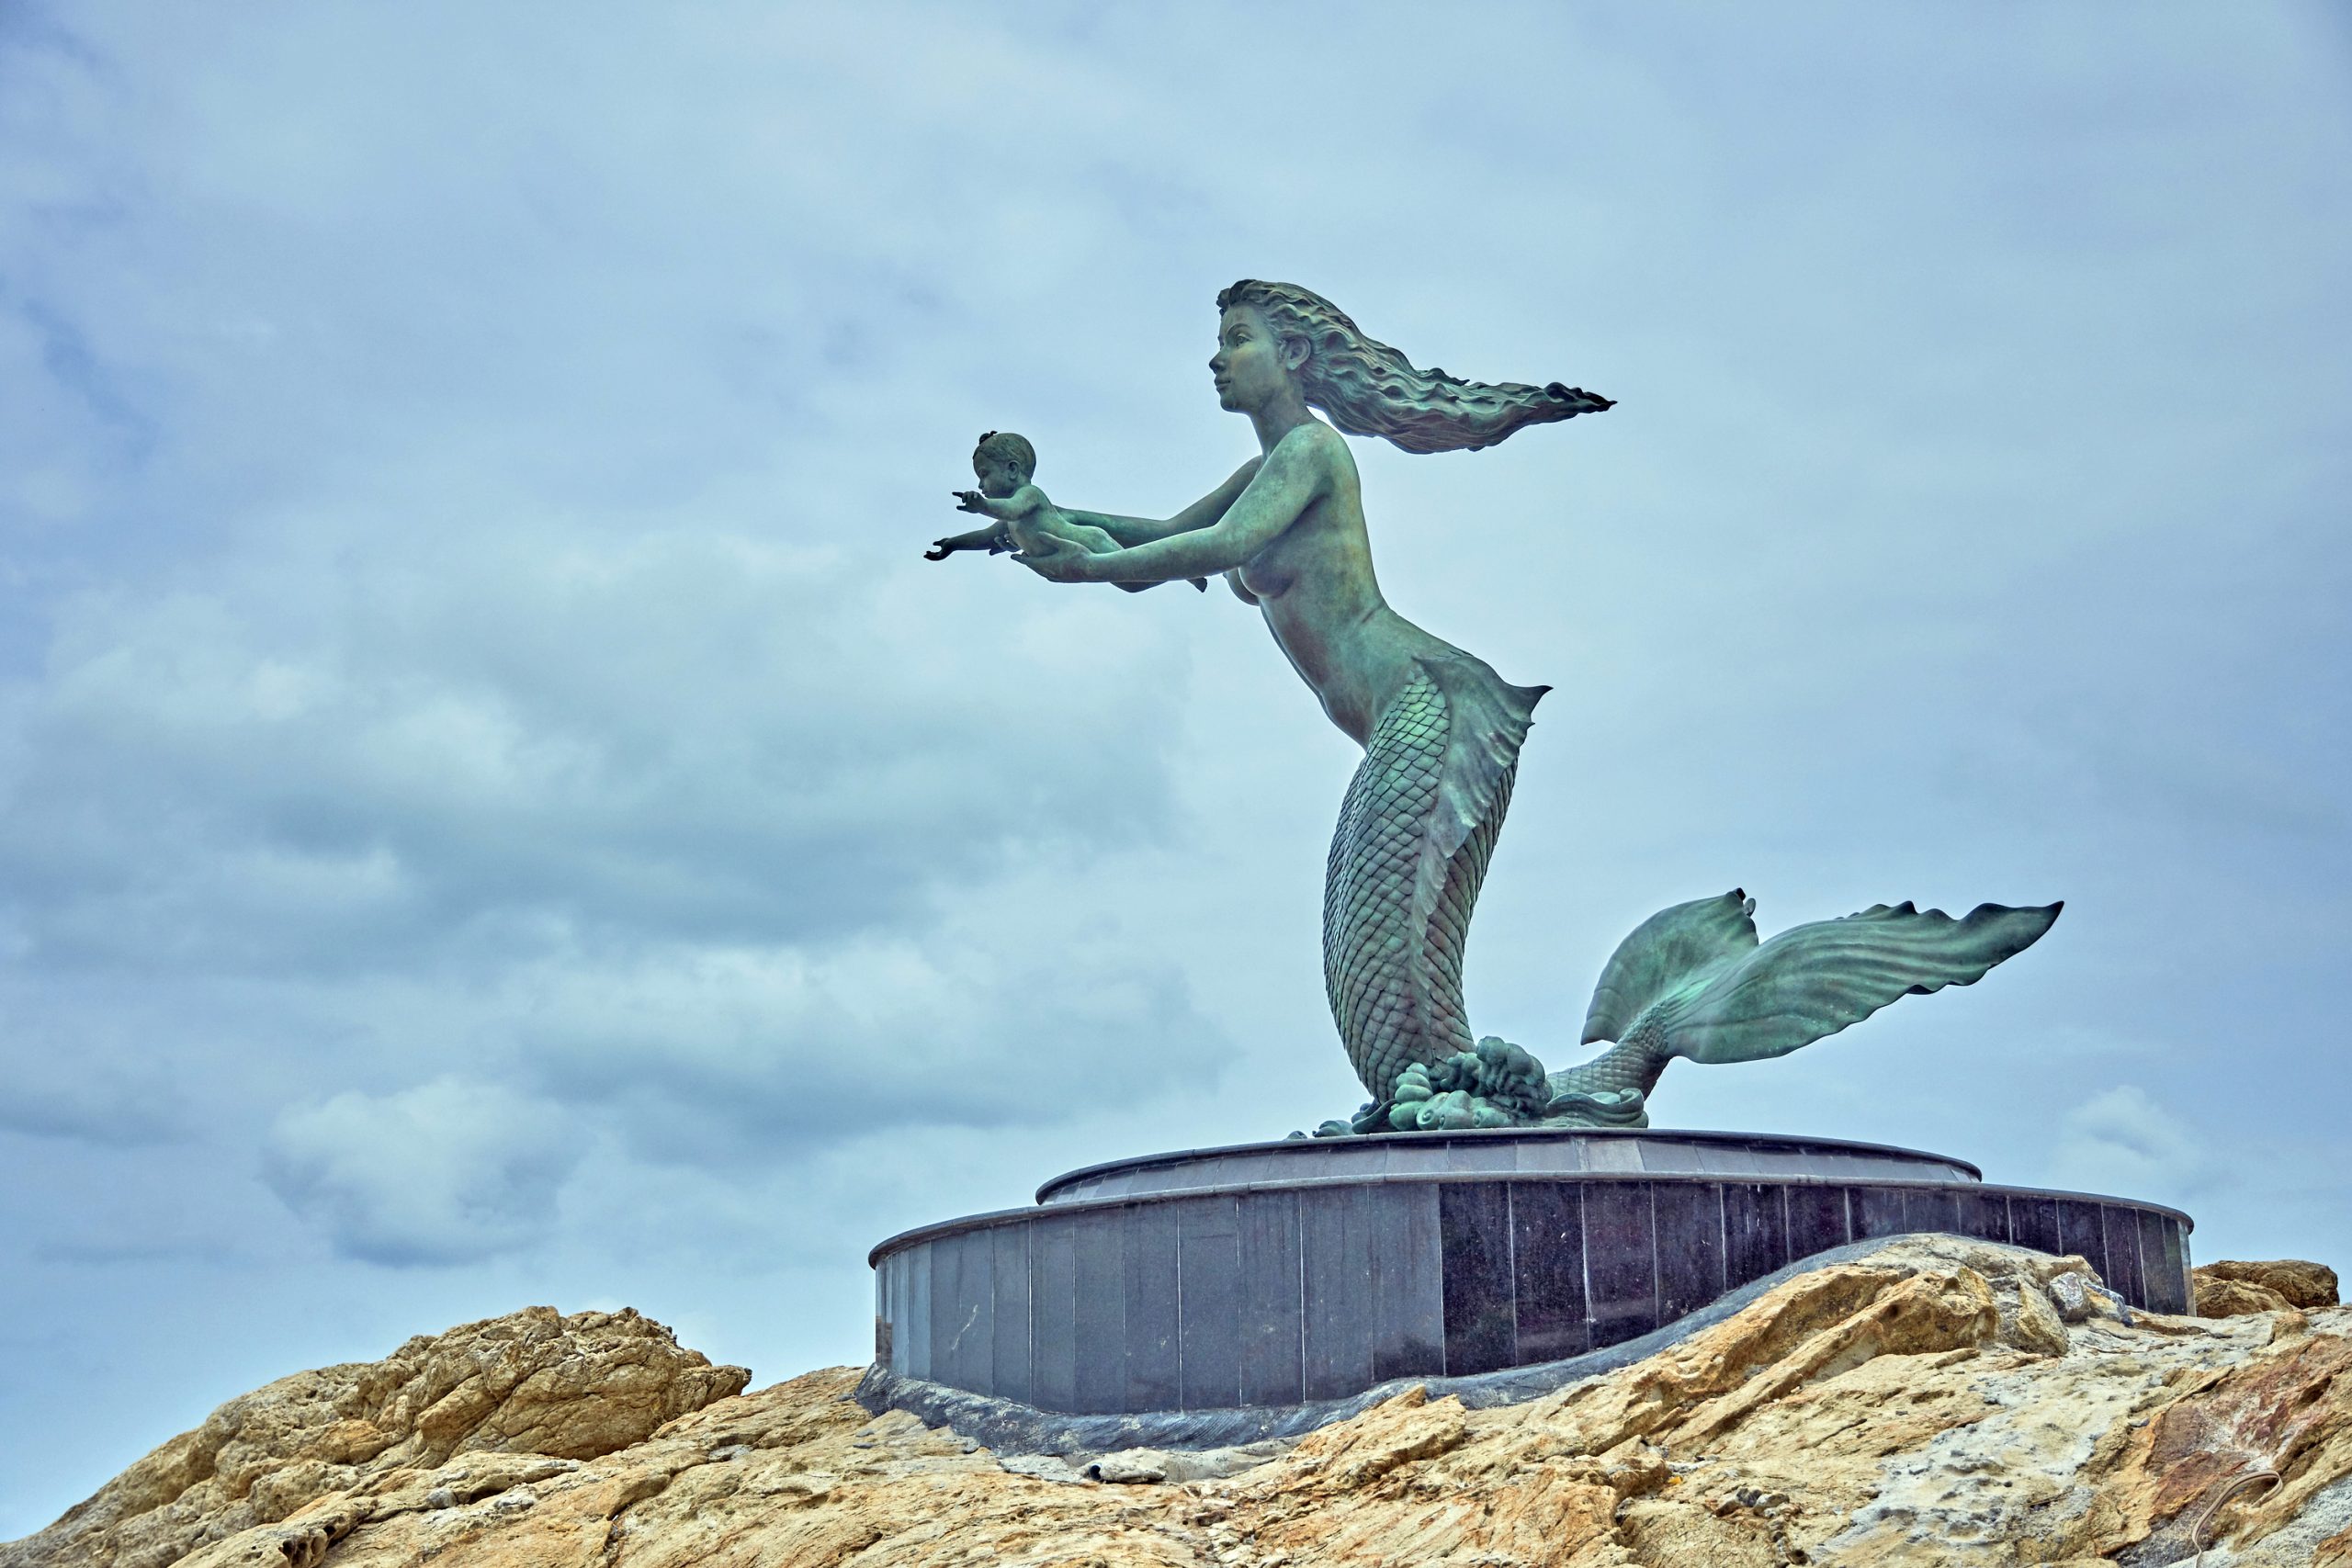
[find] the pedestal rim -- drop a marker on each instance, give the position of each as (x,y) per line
(1687,1135)
(990,1218)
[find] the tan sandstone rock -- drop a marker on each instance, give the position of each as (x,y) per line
(2230,1285)
(2237,1298)
(530,1393)
(1923,1405)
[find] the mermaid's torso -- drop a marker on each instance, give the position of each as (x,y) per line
(1321,600)
(1440,732)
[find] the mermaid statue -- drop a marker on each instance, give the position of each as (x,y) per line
(1440,733)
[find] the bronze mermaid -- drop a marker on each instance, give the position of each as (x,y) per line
(1442,734)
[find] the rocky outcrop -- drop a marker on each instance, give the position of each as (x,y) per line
(520,1398)
(1930,1403)
(2227,1289)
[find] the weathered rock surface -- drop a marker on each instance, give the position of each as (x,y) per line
(519,1397)
(2226,1290)
(1927,1405)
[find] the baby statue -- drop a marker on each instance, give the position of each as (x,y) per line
(1004,462)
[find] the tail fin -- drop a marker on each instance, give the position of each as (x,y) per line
(1666,954)
(1694,981)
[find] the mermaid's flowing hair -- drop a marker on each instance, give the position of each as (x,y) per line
(1369,389)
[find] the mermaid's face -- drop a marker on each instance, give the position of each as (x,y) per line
(1251,365)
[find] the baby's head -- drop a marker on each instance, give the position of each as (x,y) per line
(1003,462)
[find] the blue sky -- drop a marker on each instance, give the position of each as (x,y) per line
(494,809)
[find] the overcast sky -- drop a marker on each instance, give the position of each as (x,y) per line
(494,809)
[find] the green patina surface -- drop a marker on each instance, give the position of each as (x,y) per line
(1442,734)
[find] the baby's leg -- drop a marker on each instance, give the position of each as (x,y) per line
(1093,540)
(1085,535)
(1096,541)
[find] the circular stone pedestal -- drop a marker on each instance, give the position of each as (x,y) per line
(1279,1274)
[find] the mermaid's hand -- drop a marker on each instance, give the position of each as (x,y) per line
(1058,560)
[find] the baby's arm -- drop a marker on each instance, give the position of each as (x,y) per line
(990,539)
(1007,507)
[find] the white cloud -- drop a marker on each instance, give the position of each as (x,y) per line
(2123,1142)
(460,481)
(708,1052)
(684,732)
(68,1094)
(446,1172)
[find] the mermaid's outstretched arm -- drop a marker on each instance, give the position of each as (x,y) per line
(1296,474)
(1202,513)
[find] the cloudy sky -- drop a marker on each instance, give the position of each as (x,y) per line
(495,808)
